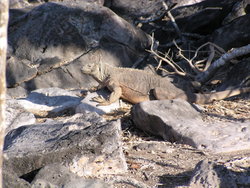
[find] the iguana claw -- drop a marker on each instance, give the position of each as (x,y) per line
(99,99)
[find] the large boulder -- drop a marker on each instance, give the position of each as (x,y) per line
(181,122)
(234,34)
(209,174)
(50,102)
(85,144)
(231,173)
(20,4)
(45,41)
(17,116)
(88,105)
(144,9)
(59,176)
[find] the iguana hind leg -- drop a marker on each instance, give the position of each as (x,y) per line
(163,94)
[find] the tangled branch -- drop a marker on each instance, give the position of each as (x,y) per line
(226,57)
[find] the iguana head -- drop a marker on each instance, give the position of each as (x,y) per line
(90,68)
(93,69)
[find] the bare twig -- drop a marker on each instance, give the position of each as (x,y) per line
(172,20)
(172,64)
(160,62)
(210,58)
(170,44)
(205,76)
(186,59)
(181,72)
(221,50)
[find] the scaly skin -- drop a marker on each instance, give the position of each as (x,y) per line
(137,86)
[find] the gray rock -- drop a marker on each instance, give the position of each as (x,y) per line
(209,175)
(87,105)
(20,4)
(50,102)
(11,180)
(17,92)
(85,143)
(179,121)
(19,71)
(60,176)
(51,36)
(17,116)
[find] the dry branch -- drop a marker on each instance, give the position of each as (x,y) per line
(225,58)
(172,20)
(169,62)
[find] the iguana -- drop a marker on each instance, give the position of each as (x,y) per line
(136,86)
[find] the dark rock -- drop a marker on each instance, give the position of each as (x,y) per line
(19,71)
(11,180)
(239,9)
(59,77)
(51,36)
(50,102)
(178,121)
(17,92)
(60,176)
(72,37)
(208,174)
(238,75)
(143,9)
(85,143)
(204,17)
(233,35)
(17,116)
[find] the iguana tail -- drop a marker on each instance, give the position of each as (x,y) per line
(214,96)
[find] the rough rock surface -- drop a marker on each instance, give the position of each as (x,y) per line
(87,105)
(234,34)
(233,79)
(60,176)
(85,143)
(17,4)
(208,174)
(50,102)
(17,116)
(17,92)
(46,40)
(11,180)
(185,125)
(137,9)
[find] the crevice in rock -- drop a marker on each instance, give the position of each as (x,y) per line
(30,176)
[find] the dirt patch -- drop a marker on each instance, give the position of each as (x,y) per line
(158,163)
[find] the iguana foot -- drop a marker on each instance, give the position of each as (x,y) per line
(101,101)
(93,89)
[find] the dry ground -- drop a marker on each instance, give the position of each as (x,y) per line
(158,163)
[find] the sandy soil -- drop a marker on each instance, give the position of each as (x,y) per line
(159,163)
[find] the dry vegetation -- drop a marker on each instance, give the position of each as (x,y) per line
(159,163)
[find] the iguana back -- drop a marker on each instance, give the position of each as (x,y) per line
(138,85)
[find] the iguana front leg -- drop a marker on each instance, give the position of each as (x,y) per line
(114,96)
(100,85)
